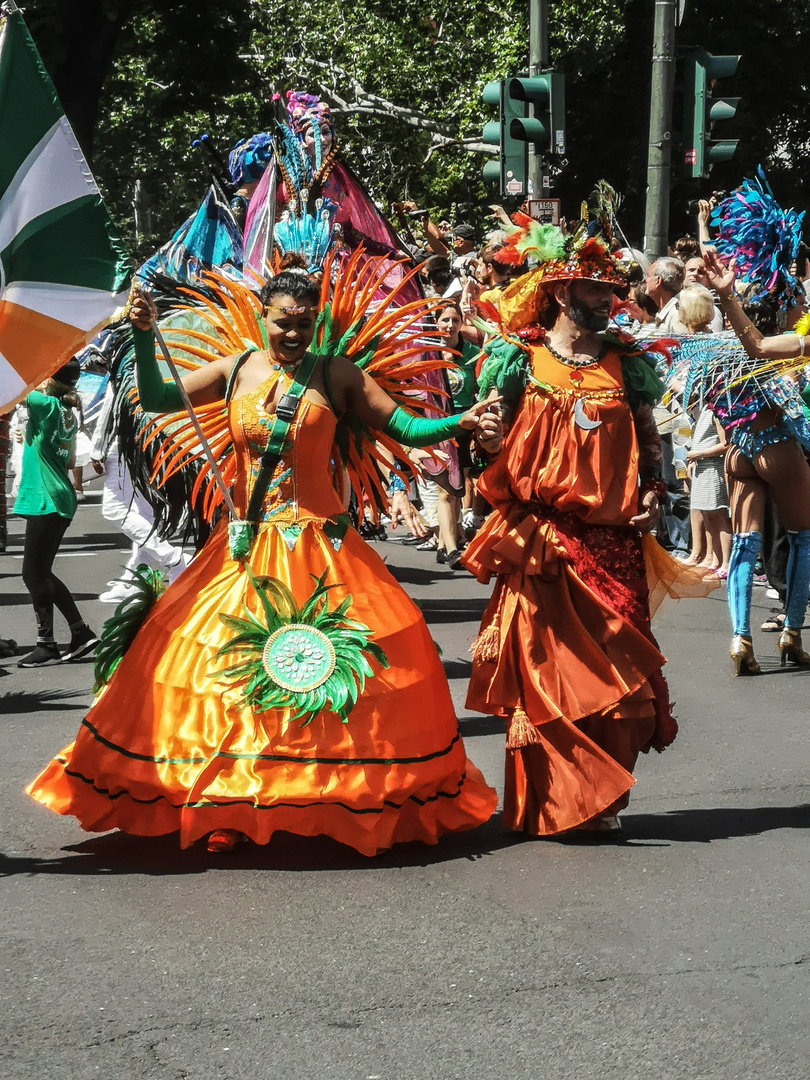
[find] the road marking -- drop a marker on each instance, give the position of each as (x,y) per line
(82,554)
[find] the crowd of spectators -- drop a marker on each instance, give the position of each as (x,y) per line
(459,267)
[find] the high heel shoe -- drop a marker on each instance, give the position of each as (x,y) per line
(790,648)
(742,653)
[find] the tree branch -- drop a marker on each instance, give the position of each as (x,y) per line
(371,104)
(443,135)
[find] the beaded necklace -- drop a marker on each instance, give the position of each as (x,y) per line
(569,361)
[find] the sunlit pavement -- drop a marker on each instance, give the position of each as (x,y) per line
(680,955)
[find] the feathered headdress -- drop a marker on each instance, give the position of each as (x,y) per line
(250,157)
(302,106)
(761,237)
(584,254)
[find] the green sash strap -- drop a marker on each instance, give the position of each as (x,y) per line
(277,436)
(242,533)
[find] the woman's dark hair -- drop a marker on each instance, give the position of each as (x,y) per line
(439,273)
(295,284)
(449,302)
(686,247)
(764,314)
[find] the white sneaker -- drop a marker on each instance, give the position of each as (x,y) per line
(118,591)
(772,594)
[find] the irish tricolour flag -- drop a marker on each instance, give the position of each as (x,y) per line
(62,270)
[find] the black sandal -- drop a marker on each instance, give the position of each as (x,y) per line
(775,623)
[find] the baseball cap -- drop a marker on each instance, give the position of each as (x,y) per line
(465,232)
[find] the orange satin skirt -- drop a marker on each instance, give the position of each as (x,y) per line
(167,747)
(566,655)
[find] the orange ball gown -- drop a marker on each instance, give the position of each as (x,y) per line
(168,745)
(566,652)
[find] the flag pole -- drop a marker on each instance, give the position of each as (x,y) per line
(215,469)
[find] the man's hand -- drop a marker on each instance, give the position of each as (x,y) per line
(489,433)
(400,509)
(98,466)
(649,512)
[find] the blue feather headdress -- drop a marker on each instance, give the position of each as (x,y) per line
(763,238)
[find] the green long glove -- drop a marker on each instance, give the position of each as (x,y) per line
(416,431)
(156,395)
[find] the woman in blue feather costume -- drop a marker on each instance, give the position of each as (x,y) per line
(759,403)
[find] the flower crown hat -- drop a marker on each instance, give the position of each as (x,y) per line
(302,107)
(583,255)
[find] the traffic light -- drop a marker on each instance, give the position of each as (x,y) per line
(546,94)
(702,110)
(514,130)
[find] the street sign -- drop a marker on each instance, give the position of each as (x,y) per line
(690,157)
(514,187)
(546,211)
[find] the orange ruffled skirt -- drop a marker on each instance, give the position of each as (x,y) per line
(567,656)
(167,747)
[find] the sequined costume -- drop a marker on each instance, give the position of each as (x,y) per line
(756,408)
(168,745)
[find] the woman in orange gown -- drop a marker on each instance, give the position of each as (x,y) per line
(170,744)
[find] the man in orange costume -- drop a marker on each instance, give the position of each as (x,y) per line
(566,652)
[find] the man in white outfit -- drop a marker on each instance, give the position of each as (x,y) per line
(121,505)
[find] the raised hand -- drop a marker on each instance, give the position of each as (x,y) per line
(141,310)
(721,276)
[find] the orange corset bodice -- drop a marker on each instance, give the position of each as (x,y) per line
(301,488)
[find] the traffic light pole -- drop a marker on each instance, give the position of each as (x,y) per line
(659,161)
(538,60)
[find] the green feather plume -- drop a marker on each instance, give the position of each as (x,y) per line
(120,629)
(544,242)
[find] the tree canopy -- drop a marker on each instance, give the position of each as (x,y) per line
(141,79)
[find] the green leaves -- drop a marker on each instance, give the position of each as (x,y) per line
(404,83)
(120,629)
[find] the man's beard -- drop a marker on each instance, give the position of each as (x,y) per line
(587,318)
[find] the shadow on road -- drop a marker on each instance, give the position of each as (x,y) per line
(703,826)
(457,669)
(33,701)
(457,609)
(95,541)
(117,853)
(473,726)
(415,575)
(20,599)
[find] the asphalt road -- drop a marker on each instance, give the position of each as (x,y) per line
(681,955)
